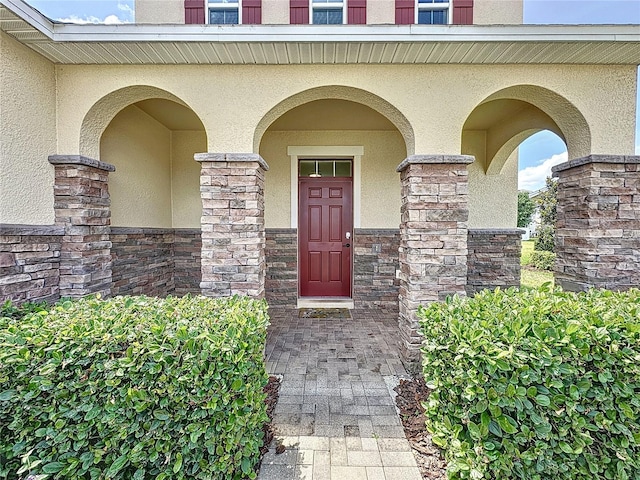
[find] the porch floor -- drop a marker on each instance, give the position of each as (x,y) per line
(336,415)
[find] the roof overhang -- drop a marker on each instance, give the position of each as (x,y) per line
(319,44)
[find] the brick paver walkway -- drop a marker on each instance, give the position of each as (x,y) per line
(336,416)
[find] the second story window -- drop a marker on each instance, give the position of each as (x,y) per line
(433,12)
(327,12)
(225,11)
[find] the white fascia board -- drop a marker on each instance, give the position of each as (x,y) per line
(344,33)
(30,15)
(65,32)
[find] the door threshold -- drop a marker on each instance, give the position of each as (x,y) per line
(325,302)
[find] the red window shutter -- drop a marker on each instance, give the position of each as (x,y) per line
(463,12)
(298,11)
(405,12)
(194,11)
(252,12)
(356,12)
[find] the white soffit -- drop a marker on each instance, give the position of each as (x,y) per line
(320,44)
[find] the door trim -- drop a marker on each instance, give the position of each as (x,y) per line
(347,151)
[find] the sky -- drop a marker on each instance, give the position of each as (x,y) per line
(537,154)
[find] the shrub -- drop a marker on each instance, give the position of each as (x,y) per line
(133,388)
(8,309)
(543,260)
(545,239)
(535,384)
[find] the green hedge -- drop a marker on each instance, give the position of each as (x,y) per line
(542,259)
(535,384)
(133,388)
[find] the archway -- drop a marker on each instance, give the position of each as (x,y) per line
(502,121)
(150,136)
(339,92)
(328,136)
(102,112)
(492,133)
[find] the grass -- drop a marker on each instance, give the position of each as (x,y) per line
(531,277)
(534,278)
(527,250)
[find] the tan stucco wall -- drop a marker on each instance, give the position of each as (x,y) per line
(27,134)
(140,188)
(159,11)
(381,12)
(492,12)
(380,184)
(378,11)
(225,99)
(275,12)
(185,178)
(493,199)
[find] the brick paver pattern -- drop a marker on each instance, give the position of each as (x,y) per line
(335,415)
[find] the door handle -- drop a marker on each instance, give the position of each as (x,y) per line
(346,245)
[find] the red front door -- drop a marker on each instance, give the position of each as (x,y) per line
(325,236)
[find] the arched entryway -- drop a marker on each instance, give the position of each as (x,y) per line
(151,143)
(150,136)
(492,133)
(332,197)
(503,120)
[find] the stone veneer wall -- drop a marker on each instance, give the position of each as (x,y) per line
(187,273)
(375,264)
(155,261)
(281,252)
(493,259)
(142,261)
(598,223)
(30,262)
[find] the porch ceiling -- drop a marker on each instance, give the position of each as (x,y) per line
(307,44)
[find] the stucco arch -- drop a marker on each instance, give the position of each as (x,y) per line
(509,116)
(338,92)
(104,110)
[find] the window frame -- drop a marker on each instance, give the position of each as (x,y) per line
(334,4)
(235,5)
(448,6)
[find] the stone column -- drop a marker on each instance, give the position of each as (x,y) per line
(82,205)
(433,239)
(233,238)
(598,224)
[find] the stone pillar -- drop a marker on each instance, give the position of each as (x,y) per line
(494,258)
(83,207)
(598,224)
(433,239)
(233,237)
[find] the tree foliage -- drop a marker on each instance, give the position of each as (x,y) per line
(547,201)
(526,207)
(547,205)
